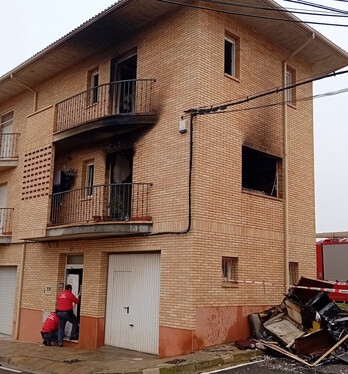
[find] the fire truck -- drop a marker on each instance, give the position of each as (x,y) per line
(332,263)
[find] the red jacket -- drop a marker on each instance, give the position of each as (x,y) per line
(51,323)
(66,300)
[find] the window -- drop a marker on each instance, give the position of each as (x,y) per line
(259,172)
(293,272)
(229,269)
(290,94)
(230,57)
(93,86)
(89,179)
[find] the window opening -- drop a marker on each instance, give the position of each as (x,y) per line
(93,85)
(229,268)
(259,172)
(89,179)
(293,272)
(230,57)
(290,93)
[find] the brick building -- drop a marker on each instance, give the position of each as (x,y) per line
(99,188)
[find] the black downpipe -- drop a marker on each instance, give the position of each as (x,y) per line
(188,228)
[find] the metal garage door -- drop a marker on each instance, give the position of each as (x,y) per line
(132,311)
(7,297)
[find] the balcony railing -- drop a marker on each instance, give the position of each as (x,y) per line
(103,203)
(6,221)
(121,97)
(9,146)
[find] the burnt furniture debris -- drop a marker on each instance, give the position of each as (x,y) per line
(307,326)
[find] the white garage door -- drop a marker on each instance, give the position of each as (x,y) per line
(132,310)
(7,297)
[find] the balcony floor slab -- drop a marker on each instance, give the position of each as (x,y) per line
(96,230)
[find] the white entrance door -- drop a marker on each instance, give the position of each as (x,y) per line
(7,296)
(132,310)
(3,200)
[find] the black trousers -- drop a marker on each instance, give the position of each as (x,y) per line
(64,317)
(49,337)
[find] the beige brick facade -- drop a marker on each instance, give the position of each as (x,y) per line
(184,52)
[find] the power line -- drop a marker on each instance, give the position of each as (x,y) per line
(307,98)
(295,11)
(257,96)
(251,15)
(322,74)
(315,5)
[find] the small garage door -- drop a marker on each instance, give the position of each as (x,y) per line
(132,311)
(7,296)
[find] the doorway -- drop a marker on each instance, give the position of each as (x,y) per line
(6,128)
(74,275)
(121,170)
(125,90)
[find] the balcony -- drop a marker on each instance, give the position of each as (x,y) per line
(6,225)
(100,211)
(8,151)
(105,110)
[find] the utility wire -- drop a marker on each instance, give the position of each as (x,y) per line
(276,88)
(252,15)
(307,98)
(257,96)
(315,5)
(295,11)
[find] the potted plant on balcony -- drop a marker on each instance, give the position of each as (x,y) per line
(117,210)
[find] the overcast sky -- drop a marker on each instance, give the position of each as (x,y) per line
(27,26)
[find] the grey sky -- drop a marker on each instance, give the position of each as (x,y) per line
(28,26)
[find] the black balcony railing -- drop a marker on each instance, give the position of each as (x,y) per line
(102,203)
(121,97)
(6,221)
(9,146)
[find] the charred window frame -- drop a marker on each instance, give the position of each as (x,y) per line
(293,273)
(260,172)
(229,269)
(88,182)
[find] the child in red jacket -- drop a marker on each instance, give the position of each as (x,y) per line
(49,331)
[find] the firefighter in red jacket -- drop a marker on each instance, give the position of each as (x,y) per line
(65,313)
(49,331)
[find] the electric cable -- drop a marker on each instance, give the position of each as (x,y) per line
(316,5)
(283,10)
(281,103)
(252,15)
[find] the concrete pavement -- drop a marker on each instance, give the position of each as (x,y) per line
(111,360)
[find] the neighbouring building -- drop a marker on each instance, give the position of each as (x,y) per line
(109,182)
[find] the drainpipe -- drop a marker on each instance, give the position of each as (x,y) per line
(19,302)
(28,88)
(286,165)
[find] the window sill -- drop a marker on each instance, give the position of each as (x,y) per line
(227,284)
(89,106)
(232,77)
(260,194)
(293,106)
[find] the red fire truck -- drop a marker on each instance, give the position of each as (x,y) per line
(332,264)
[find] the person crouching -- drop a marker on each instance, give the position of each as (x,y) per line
(49,331)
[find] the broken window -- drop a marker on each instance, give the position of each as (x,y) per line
(89,167)
(229,268)
(259,172)
(293,272)
(230,57)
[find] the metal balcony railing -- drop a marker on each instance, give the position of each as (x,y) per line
(102,203)
(6,221)
(9,146)
(127,97)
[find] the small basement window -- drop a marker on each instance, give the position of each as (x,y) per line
(229,269)
(259,172)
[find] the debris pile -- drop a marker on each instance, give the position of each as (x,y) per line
(308,326)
